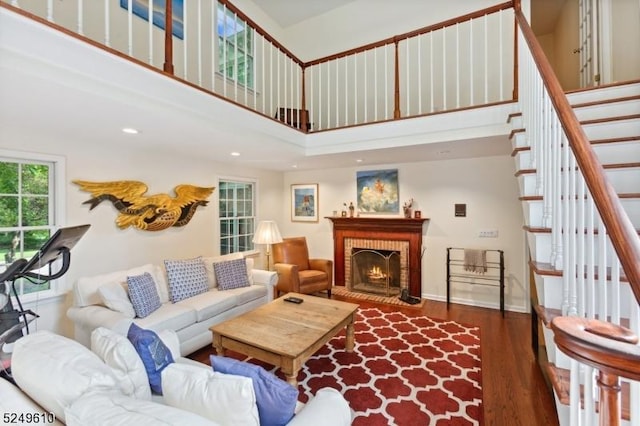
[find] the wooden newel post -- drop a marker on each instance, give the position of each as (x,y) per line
(396,96)
(168,37)
(609,399)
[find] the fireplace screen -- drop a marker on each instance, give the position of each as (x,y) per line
(375,271)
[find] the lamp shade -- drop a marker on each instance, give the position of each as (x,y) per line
(267,233)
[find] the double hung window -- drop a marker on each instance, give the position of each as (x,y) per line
(28,212)
(235,47)
(237,215)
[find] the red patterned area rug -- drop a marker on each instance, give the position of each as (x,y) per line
(406,370)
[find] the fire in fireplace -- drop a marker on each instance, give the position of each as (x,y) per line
(375,271)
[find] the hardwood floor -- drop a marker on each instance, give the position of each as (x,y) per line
(514,390)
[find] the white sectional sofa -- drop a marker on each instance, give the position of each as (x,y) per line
(102,301)
(62,382)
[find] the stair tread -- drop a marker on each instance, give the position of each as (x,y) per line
(548,314)
(606,101)
(625,195)
(544,230)
(560,380)
(622,139)
(609,119)
(543,268)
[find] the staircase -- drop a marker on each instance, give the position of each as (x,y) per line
(610,117)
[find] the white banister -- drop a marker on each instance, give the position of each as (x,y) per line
(130,27)
(150,32)
(185,41)
(80,17)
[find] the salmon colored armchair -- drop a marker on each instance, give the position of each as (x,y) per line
(296,272)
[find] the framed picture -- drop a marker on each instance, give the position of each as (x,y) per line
(141,9)
(378,191)
(304,202)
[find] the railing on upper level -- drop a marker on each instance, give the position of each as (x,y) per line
(464,62)
(594,244)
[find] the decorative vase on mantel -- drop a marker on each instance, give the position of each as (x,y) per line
(407,213)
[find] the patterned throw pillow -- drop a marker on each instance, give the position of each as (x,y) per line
(143,294)
(231,274)
(155,355)
(187,278)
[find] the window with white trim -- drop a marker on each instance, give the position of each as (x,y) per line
(235,47)
(29,208)
(237,215)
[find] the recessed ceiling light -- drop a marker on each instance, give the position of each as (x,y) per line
(130,130)
(235,154)
(295,166)
(446,151)
(359,160)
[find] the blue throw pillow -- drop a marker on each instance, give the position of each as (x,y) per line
(231,274)
(275,398)
(143,294)
(155,355)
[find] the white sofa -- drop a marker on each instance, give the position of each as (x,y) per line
(189,318)
(59,378)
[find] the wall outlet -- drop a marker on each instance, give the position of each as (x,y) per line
(488,233)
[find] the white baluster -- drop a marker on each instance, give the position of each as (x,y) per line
(346,90)
(407,84)
(566,203)
(130,27)
(50,10)
(444,69)
(81,17)
(580,255)
(486,61)
(420,74)
(590,259)
(199,40)
(150,31)
(457,65)
(603,298)
(107,24)
(185,40)
(471,60)
(375,84)
(431,109)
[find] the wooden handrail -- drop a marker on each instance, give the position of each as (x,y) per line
(623,235)
(414,33)
(609,348)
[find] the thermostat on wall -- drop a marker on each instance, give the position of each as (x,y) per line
(460,210)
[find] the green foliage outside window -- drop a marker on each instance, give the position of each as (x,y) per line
(25,213)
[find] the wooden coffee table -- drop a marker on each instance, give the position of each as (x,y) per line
(286,334)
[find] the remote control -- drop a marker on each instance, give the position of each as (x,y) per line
(296,300)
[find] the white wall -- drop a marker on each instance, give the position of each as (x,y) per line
(625,40)
(488,187)
(107,248)
(366,21)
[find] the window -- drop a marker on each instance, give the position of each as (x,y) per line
(235,47)
(237,215)
(28,211)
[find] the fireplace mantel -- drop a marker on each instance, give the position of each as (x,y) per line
(403,229)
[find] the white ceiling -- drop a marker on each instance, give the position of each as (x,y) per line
(53,85)
(289,12)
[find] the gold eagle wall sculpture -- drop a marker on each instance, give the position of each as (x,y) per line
(149,213)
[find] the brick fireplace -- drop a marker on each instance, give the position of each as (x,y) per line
(387,235)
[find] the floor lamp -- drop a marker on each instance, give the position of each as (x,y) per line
(267,233)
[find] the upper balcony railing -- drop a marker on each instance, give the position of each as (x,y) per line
(465,62)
